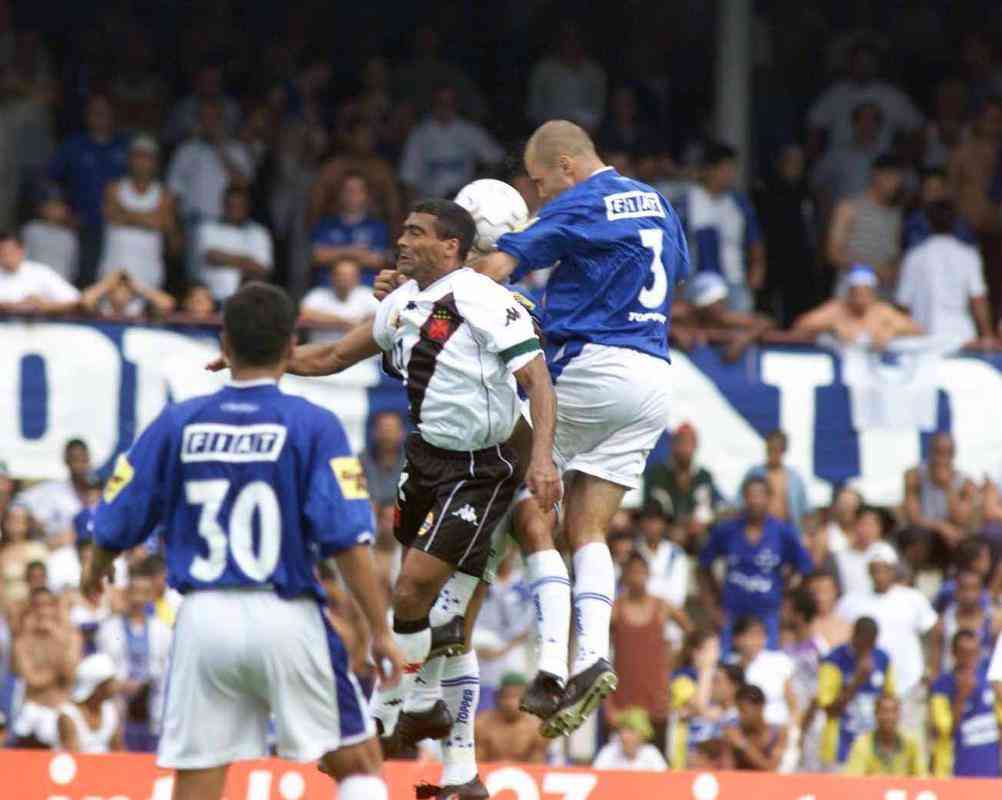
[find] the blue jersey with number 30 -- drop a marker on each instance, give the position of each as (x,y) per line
(619,250)
(252,486)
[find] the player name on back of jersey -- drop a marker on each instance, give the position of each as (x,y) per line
(232,444)
(630,205)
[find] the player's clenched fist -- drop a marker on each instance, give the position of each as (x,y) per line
(544,482)
(386,281)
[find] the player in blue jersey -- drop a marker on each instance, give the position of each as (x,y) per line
(253,486)
(619,250)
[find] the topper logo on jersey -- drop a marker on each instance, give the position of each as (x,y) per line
(232,444)
(631,205)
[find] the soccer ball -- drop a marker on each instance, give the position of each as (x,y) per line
(496,207)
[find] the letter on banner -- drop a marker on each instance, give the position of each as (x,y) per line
(726,440)
(83,377)
(797,375)
(975,391)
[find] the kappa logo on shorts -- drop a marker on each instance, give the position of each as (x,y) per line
(467,513)
(426,525)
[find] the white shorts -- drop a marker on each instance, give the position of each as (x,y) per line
(612,407)
(240,656)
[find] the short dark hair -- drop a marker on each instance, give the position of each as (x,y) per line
(804,603)
(753,479)
(7,234)
(746,623)
(33,565)
(969,551)
(866,626)
(942,216)
(452,221)
(74,443)
(735,674)
(750,693)
(717,152)
(636,557)
(259,321)
(960,635)
(236,188)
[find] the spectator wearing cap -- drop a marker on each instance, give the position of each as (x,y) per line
(54,503)
(140,215)
(787,490)
(889,749)
(28,287)
(757,548)
(705,310)
(939,504)
(723,228)
(850,680)
(506,733)
(684,489)
(90,723)
(50,238)
(629,748)
(860,318)
(642,649)
(755,743)
(866,228)
(865,543)
(904,617)
(85,164)
(233,249)
(942,285)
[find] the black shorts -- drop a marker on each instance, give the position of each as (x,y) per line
(451,501)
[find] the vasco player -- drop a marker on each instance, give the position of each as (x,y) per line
(251,485)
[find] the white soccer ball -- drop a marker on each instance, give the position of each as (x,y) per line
(496,207)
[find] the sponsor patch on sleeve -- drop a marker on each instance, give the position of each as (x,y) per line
(121,478)
(350,477)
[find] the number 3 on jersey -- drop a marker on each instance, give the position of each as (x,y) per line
(654,297)
(256,496)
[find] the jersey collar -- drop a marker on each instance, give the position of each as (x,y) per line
(235,384)
(600,169)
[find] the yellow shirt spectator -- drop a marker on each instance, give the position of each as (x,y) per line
(904,760)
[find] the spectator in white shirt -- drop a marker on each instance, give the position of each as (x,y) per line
(53,504)
(831,114)
(204,165)
(340,306)
(50,238)
(668,562)
(629,749)
(770,670)
(865,544)
(942,284)
(568,84)
(904,616)
(441,154)
(233,249)
(27,286)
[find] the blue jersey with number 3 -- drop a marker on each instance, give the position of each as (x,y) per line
(619,250)
(252,486)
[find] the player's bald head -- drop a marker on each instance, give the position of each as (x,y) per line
(558,138)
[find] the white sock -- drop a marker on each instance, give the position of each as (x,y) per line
(594,589)
(461,691)
(427,686)
(551,593)
(454,598)
(414,641)
(362,787)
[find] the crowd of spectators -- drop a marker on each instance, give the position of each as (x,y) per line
(754,632)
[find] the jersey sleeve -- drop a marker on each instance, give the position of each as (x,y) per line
(714,548)
(829,683)
(796,554)
(382,329)
(499,320)
(539,245)
(133,500)
(338,515)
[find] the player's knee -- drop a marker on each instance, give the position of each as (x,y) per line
(535,530)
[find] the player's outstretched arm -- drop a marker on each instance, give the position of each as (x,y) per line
(356,568)
(497,266)
(541,477)
(313,360)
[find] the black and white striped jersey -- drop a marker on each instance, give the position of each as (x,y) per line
(456,344)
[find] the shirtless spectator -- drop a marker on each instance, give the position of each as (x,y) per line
(787,491)
(939,504)
(706,310)
(506,733)
(974,165)
(754,743)
(828,625)
(860,318)
(866,228)
(46,654)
